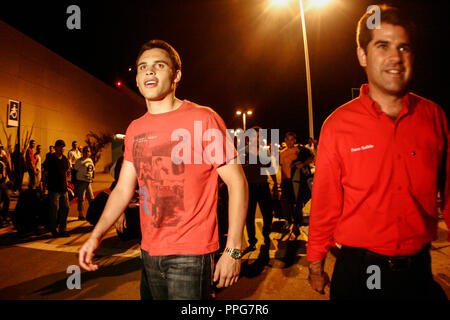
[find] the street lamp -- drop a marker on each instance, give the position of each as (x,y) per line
(244,116)
(316,3)
(308,72)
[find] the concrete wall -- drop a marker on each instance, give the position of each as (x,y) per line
(59,100)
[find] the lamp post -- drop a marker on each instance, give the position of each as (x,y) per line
(244,117)
(308,72)
(305,46)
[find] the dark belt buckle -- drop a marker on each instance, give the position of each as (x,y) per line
(397,264)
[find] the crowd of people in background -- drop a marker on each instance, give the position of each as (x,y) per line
(57,176)
(54,176)
(284,197)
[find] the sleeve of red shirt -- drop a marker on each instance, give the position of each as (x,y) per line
(127,153)
(327,197)
(444,174)
(225,147)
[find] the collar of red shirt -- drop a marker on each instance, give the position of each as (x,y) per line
(374,109)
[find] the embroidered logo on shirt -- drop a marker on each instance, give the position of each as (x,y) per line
(369,146)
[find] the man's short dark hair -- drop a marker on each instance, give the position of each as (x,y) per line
(60,143)
(303,155)
(160,44)
(389,15)
(290,134)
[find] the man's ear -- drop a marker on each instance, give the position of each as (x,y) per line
(177,77)
(362,57)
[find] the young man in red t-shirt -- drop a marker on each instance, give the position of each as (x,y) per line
(170,152)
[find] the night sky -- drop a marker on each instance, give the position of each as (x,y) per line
(237,52)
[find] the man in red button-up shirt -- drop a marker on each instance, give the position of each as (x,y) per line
(382,158)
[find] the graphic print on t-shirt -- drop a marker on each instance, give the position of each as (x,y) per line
(161,182)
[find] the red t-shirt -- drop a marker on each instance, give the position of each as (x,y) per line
(30,159)
(376,180)
(176,155)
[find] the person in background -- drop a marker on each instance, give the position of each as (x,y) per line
(56,172)
(30,163)
(301,179)
(3,152)
(259,190)
(51,150)
(37,157)
(73,155)
(4,197)
(115,169)
(287,156)
(85,169)
(312,145)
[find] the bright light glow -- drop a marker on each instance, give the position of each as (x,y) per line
(120,136)
(318,3)
(238,113)
(279,3)
(249,113)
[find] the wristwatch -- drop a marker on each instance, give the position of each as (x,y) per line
(234,253)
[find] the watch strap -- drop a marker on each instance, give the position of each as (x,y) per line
(234,253)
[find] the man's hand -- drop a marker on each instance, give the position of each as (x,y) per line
(227,271)
(86,254)
(318,278)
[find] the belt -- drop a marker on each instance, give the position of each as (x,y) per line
(395,263)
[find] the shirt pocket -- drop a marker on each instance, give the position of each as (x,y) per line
(423,166)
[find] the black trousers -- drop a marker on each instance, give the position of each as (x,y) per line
(259,193)
(362,274)
(5,199)
(32,177)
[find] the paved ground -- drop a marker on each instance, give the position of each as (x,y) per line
(34,267)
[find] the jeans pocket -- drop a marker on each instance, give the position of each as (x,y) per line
(189,276)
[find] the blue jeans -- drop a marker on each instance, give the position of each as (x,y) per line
(83,188)
(179,277)
(59,210)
